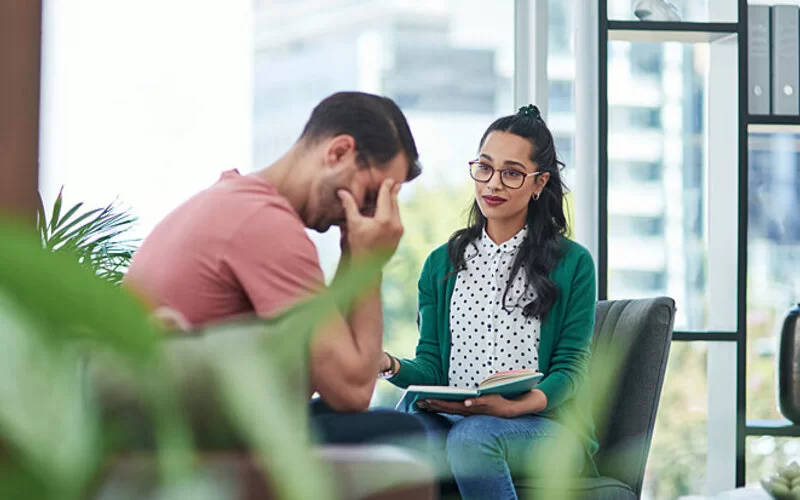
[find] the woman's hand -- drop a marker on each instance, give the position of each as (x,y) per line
(386,363)
(491,404)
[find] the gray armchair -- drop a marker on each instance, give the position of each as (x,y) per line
(637,335)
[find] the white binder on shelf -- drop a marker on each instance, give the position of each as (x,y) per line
(785,49)
(758,60)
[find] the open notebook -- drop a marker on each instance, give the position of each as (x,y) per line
(508,384)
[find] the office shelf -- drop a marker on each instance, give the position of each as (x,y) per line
(773,124)
(781,428)
(704,336)
(656,32)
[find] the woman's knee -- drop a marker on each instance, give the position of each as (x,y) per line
(477,433)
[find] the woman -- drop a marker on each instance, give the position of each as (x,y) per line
(509,291)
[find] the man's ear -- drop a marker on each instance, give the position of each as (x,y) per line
(340,148)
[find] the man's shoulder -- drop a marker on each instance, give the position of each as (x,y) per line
(254,205)
(274,226)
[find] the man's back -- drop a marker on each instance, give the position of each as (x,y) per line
(233,249)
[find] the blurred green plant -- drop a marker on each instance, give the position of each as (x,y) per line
(96,237)
(86,378)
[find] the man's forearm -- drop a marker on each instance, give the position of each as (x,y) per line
(345,358)
(366,325)
(365,317)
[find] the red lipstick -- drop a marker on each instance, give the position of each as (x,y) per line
(493,201)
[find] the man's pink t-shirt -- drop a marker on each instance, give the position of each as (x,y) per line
(236,248)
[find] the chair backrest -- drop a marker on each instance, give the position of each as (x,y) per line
(630,350)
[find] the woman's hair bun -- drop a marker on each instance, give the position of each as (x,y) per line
(530,110)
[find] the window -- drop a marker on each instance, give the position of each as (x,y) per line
(646,59)
(559,30)
(443,78)
(644,226)
(560,96)
(676,465)
(658,204)
(561,99)
(634,282)
(564,149)
(656,172)
(690,10)
(773,242)
(159,118)
(629,117)
(636,172)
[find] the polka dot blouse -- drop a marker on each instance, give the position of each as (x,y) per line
(486,337)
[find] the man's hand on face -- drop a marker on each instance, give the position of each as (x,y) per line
(380,232)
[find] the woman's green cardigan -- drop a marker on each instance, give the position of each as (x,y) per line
(564,345)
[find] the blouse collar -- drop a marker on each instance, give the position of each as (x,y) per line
(506,247)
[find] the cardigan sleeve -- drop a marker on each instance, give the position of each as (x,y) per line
(426,367)
(569,364)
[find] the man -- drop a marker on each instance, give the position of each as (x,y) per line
(240,247)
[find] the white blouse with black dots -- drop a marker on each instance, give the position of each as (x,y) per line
(485,336)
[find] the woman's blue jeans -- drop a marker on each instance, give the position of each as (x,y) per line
(486,453)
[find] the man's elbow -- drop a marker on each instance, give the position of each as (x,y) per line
(353,399)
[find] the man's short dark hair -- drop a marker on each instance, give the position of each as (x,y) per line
(376,123)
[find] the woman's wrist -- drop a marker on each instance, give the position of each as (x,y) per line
(533,402)
(389,366)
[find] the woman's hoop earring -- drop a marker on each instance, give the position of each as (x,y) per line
(535,196)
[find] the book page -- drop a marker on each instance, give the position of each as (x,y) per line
(443,389)
(501,377)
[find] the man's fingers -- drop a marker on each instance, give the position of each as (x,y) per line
(349,204)
(383,206)
(395,203)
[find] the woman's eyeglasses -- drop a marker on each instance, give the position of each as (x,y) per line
(512,179)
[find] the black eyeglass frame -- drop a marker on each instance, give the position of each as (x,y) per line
(473,163)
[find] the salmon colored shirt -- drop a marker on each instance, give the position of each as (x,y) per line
(236,248)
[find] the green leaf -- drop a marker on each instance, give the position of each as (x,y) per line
(61,234)
(69,214)
(42,414)
(76,313)
(56,208)
(41,220)
(94,238)
(259,400)
(18,480)
(75,302)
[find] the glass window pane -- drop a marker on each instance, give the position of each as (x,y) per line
(657,190)
(561,96)
(130,111)
(559,28)
(688,10)
(450,79)
(764,455)
(773,241)
(676,464)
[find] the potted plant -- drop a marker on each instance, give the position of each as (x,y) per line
(97,238)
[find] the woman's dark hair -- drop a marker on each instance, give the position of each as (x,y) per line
(543,245)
